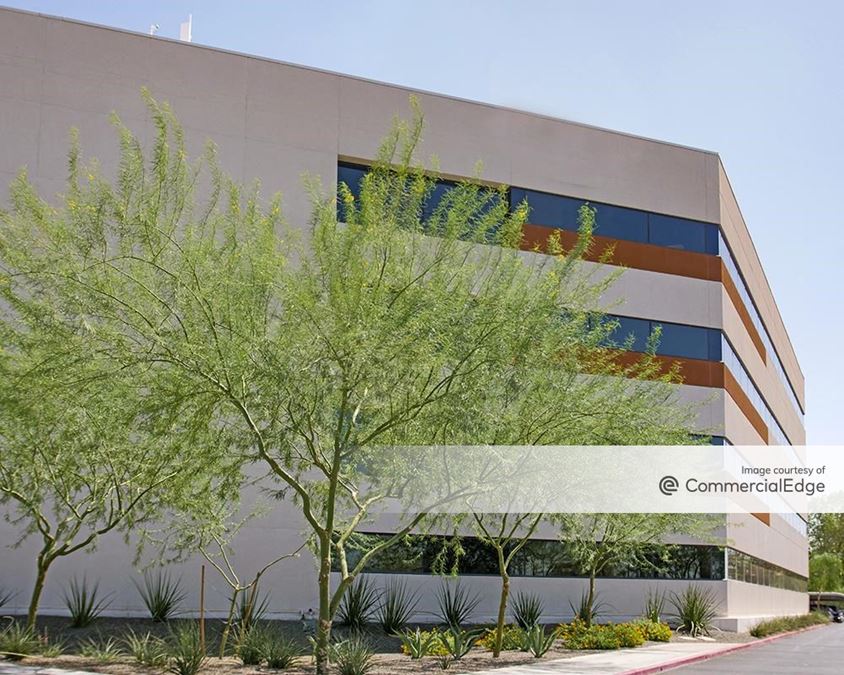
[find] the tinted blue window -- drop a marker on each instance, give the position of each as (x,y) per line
(640,329)
(434,199)
(545,209)
(687,235)
(621,223)
(351,176)
(691,342)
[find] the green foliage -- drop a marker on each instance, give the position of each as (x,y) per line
(654,606)
(101,649)
(444,661)
(654,631)
(359,603)
(588,609)
(459,642)
(251,609)
(512,638)
(577,635)
(537,643)
(826,572)
(419,643)
(187,655)
(353,656)
(396,606)
(251,645)
(527,609)
(280,651)
(826,534)
(82,602)
(18,641)
(695,609)
(784,624)
(147,649)
(161,595)
(455,604)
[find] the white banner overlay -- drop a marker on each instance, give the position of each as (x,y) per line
(610,479)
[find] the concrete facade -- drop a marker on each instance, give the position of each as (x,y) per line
(276,121)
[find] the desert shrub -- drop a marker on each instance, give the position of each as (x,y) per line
(17,641)
(83,603)
(102,649)
(396,606)
(252,644)
(419,643)
(161,595)
(359,603)
(513,639)
(280,651)
(784,624)
(187,655)
(654,631)
(654,606)
(577,635)
(695,610)
(353,657)
(146,649)
(537,643)
(458,642)
(527,610)
(455,604)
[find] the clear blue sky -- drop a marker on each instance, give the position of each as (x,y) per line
(761,82)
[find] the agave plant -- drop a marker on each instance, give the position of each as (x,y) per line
(696,609)
(537,642)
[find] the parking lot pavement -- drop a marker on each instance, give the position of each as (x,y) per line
(816,651)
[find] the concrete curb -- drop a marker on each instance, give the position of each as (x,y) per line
(686,660)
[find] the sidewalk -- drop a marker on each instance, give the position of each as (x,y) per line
(613,662)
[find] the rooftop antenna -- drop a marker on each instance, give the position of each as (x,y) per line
(153,28)
(185,29)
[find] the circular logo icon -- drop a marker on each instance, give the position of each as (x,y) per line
(668,485)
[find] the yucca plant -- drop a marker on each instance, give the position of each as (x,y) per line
(455,604)
(17,641)
(252,608)
(695,609)
(102,649)
(587,611)
(82,602)
(527,610)
(146,649)
(186,651)
(654,606)
(353,656)
(280,651)
(537,642)
(396,606)
(458,642)
(6,597)
(161,595)
(359,602)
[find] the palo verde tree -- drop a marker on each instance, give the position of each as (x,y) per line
(80,457)
(309,352)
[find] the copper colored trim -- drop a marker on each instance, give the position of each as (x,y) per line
(744,315)
(653,259)
(764,517)
(744,404)
(631,254)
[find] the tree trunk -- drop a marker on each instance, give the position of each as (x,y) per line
(227,629)
(590,599)
(43,565)
(323,636)
(502,609)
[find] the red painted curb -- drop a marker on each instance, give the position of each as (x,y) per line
(695,658)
